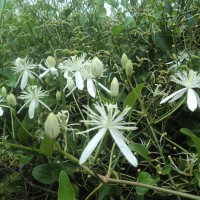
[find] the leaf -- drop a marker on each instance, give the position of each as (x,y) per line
(194,138)
(145,177)
(113,3)
(25,159)
(103,191)
(65,190)
(190,20)
(102,12)
(116,30)
(197,175)
(46,146)
(168,7)
(132,97)
(163,41)
(43,173)
(140,149)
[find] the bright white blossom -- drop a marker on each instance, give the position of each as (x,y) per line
(182,55)
(108,119)
(32,98)
(189,80)
(75,67)
(1,101)
(79,68)
(50,63)
(24,68)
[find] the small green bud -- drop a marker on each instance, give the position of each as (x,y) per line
(70,83)
(96,67)
(4,92)
(114,88)
(58,96)
(129,68)
(11,100)
(51,126)
(138,59)
(50,62)
(124,60)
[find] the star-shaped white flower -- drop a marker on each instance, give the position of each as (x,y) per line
(108,119)
(189,80)
(32,97)
(1,101)
(50,63)
(24,67)
(75,67)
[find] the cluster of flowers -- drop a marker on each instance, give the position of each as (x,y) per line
(106,118)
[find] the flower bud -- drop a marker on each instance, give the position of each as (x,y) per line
(96,67)
(3,92)
(114,88)
(70,83)
(11,100)
(58,96)
(51,126)
(124,60)
(129,68)
(50,62)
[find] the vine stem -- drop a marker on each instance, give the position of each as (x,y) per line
(104,179)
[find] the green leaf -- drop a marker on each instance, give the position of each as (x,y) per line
(113,3)
(102,12)
(116,30)
(140,149)
(65,190)
(190,20)
(124,3)
(145,177)
(194,138)
(25,159)
(166,170)
(43,173)
(197,175)
(46,146)
(133,96)
(168,7)
(163,41)
(103,191)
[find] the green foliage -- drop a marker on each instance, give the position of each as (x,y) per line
(160,38)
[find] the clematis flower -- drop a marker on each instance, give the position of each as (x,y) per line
(108,119)
(50,63)
(24,67)
(75,67)
(32,98)
(189,80)
(1,101)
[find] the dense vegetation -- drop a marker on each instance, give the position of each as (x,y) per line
(149,49)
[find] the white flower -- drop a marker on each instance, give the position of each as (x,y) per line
(108,120)
(1,101)
(24,67)
(189,80)
(32,97)
(182,55)
(75,67)
(50,63)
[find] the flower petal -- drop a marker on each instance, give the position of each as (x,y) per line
(79,80)
(172,95)
(191,100)
(91,88)
(91,145)
(1,111)
(31,110)
(179,95)
(117,136)
(24,80)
